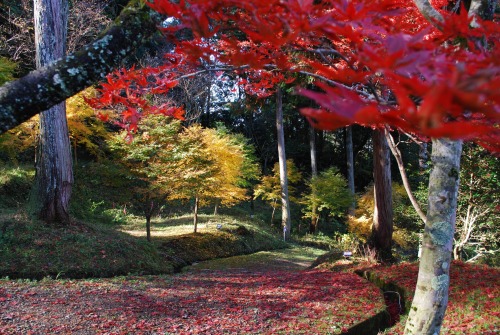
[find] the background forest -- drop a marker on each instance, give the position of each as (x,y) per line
(230,138)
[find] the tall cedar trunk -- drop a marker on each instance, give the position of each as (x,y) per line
(382,216)
(350,164)
(54,168)
(313,226)
(195,219)
(285,201)
(431,294)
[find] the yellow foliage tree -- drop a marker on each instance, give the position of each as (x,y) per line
(360,224)
(85,130)
(208,166)
(269,188)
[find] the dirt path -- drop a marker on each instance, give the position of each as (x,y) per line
(291,259)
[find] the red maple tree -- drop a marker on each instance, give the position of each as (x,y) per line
(374,63)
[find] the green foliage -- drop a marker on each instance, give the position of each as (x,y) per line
(99,187)
(477,233)
(7,69)
(15,186)
(329,193)
(269,188)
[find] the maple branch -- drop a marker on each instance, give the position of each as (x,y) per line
(429,12)
(215,69)
(41,89)
(335,83)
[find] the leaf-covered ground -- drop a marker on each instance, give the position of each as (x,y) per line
(242,298)
(474,297)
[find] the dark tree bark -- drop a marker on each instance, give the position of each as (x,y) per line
(285,200)
(41,89)
(382,217)
(54,168)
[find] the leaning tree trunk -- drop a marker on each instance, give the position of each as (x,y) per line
(431,295)
(382,216)
(54,168)
(350,165)
(313,226)
(285,201)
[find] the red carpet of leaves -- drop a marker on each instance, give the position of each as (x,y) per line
(474,300)
(209,302)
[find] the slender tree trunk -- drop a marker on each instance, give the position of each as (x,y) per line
(350,165)
(195,220)
(148,212)
(54,168)
(285,201)
(313,226)
(431,295)
(273,212)
(148,228)
(406,183)
(216,208)
(382,216)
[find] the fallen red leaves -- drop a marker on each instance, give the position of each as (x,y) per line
(474,297)
(215,302)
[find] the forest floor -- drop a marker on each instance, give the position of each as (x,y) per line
(263,293)
(270,292)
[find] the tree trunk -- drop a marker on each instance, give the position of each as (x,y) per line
(313,226)
(54,168)
(216,208)
(148,227)
(406,183)
(273,212)
(382,216)
(285,201)
(350,165)
(431,295)
(195,220)
(148,213)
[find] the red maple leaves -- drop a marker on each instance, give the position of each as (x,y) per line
(376,62)
(212,302)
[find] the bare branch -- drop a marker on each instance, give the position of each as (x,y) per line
(399,159)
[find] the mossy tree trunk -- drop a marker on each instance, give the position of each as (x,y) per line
(431,295)
(383,214)
(54,168)
(285,200)
(43,88)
